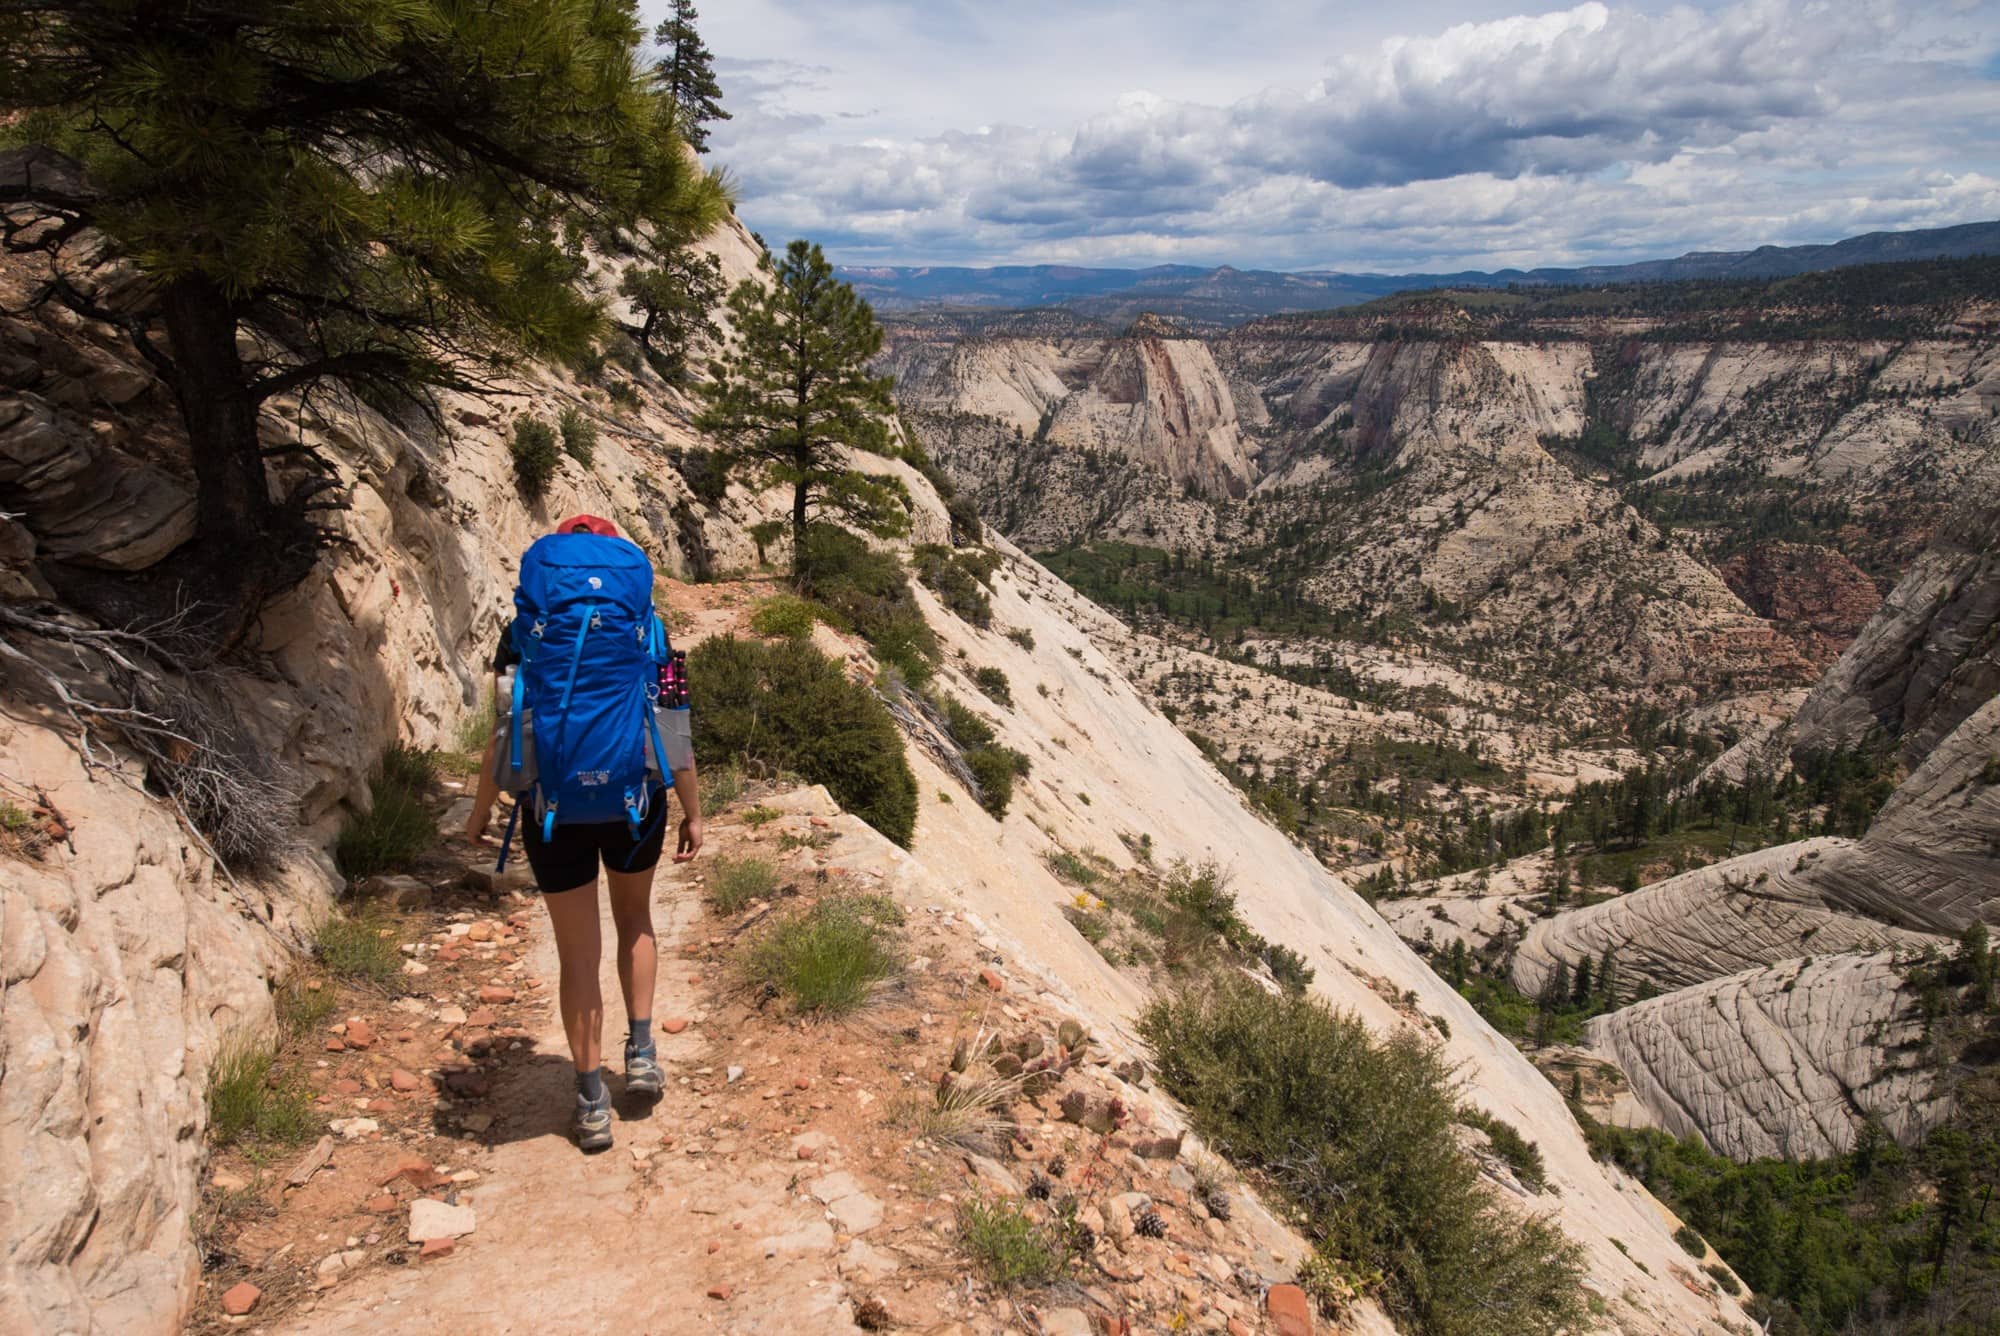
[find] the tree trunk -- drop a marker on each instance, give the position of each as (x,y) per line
(799,497)
(241,552)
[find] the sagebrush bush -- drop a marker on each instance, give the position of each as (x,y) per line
(784,616)
(535,456)
(1523,1156)
(734,882)
(246,1104)
(993,684)
(788,706)
(994,767)
(1359,1135)
(579,435)
(828,958)
(398,825)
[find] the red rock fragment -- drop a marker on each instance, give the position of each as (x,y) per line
(482,1018)
(674,1024)
(436,1248)
(240,1298)
(360,1034)
(382,1205)
(406,1081)
(719,1291)
(494,993)
(992,980)
(1289,1310)
(335,1046)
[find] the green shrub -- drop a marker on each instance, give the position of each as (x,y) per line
(787,705)
(1288,967)
(1008,1246)
(784,616)
(398,825)
(1523,1156)
(959,579)
(1359,1135)
(992,682)
(361,948)
(1072,869)
(1722,1276)
(1691,1241)
(871,593)
(1023,637)
(828,958)
(734,882)
(964,725)
(720,786)
(246,1105)
(579,435)
(535,456)
(993,771)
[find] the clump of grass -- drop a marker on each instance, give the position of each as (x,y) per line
(784,617)
(1359,1135)
(968,1110)
(579,435)
(361,948)
(398,825)
(1008,1246)
(759,817)
(1072,869)
(246,1105)
(735,882)
(720,787)
(302,1009)
(13,819)
(829,958)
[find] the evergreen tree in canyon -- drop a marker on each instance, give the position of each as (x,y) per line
(792,396)
(389,194)
(686,73)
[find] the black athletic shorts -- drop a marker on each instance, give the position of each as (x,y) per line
(571,858)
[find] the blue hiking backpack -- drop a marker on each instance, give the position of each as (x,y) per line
(581,736)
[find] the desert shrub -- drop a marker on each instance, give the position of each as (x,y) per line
(1023,637)
(828,958)
(786,705)
(959,579)
(734,882)
(1359,1135)
(398,825)
(871,593)
(245,1103)
(1288,967)
(993,770)
(1072,869)
(706,473)
(720,787)
(992,683)
(1007,1245)
(535,456)
(579,435)
(1523,1156)
(1722,1276)
(361,948)
(783,616)
(1691,1241)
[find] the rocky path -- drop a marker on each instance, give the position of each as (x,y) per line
(661,1233)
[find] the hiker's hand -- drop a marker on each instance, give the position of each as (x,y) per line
(690,840)
(475,827)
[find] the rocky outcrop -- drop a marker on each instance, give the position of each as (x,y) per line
(1745,913)
(1787,1060)
(1811,592)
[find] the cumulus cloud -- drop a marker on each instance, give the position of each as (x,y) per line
(1591,133)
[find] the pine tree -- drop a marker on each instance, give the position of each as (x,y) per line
(686,73)
(674,288)
(792,396)
(385,192)
(1580,993)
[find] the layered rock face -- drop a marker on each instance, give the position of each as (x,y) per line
(1787,1060)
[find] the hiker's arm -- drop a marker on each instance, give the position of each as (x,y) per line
(687,787)
(485,796)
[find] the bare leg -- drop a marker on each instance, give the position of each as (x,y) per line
(573,918)
(638,954)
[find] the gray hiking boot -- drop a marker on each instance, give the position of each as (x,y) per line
(593,1122)
(643,1074)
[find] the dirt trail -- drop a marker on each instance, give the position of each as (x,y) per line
(568,1242)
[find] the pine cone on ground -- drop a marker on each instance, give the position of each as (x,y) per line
(1217,1202)
(1038,1188)
(1150,1224)
(1058,1166)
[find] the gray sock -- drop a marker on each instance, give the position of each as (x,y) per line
(639,1036)
(590,1085)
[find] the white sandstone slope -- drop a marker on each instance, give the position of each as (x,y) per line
(1108,768)
(1786,1060)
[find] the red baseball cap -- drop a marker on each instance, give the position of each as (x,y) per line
(588,524)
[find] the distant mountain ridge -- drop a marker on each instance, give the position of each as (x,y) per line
(1229,294)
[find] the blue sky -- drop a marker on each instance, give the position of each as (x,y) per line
(1300,134)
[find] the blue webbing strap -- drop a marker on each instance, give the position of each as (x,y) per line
(562,713)
(520,696)
(507,840)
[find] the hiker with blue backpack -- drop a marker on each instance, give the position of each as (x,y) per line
(593,728)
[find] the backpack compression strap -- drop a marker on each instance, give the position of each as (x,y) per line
(569,689)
